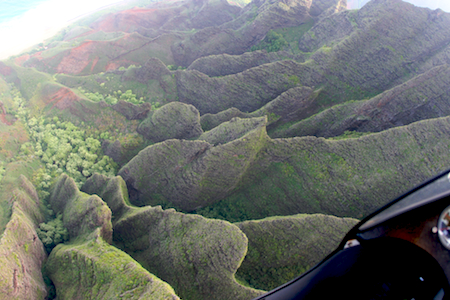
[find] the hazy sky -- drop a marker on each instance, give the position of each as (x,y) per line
(433,4)
(42,22)
(49,16)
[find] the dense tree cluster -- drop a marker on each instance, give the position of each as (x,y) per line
(52,233)
(64,148)
(127,96)
(273,42)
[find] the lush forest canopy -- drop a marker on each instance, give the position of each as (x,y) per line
(211,149)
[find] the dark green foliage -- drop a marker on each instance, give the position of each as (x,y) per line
(52,233)
(282,248)
(50,286)
(273,42)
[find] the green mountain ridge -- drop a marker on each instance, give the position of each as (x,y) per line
(184,165)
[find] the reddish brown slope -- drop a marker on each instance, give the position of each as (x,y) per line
(95,56)
(131,19)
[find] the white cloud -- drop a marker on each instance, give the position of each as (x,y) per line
(432,4)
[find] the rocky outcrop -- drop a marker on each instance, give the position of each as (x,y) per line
(132,111)
(88,267)
(81,214)
(213,13)
(172,121)
(122,152)
(190,174)
(197,256)
(153,69)
(282,248)
(287,107)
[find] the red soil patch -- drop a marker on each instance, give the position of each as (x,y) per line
(87,55)
(127,20)
(94,62)
(21,59)
(83,34)
(114,65)
(5,70)
(90,52)
(78,59)
(38,55)
(4,120)
(62,99)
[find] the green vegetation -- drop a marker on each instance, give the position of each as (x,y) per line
(64,148)
(175,120)
(2,171)
(282,248)
(292,35)
(52,233)
(87,266)
(127,96)
(21,253)
(183,248)
(350,135)
(273,42)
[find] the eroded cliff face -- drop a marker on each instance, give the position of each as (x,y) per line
(196,255)
(88,267)
(22,254)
